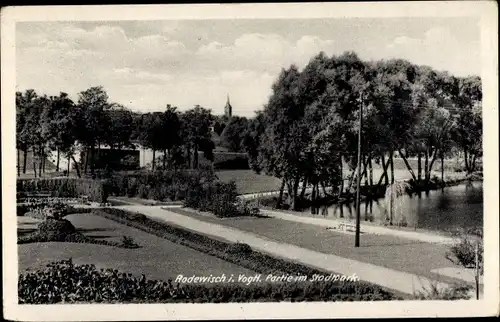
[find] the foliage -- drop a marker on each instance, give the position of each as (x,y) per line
(160,185)
(239,248)
(219,198)
(234,133)
(436,293)
(66,187)
(393,200)
(66,282)
(129,242)
(463,252)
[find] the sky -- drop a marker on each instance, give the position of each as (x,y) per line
(145,65)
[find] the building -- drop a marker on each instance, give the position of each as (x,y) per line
(228,109)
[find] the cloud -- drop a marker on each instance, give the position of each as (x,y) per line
(142,66)
(264,52)
(438,48)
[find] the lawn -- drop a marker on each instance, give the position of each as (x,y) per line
(157,258)
(387,251)
(247,181)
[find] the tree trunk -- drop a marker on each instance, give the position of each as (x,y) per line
(87,152)
(304,187)
(280,197)
(43,161)
(58,158)
(154,160)
(341,176)
(365,171)
(77,168)
(69,163)
(188,150)
(18,163)
(313,199)
(426,165)
(92,160)
(34,160)
(442,171)
(195,158)
(391,207)
(294,193)
(473,166)
(40,162)
(392,166)
(25,154)
(371,170)
(384,174)
(431,164)
(419,161)
(408,166)
(164,159)
(323,187)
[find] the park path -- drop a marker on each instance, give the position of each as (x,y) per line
(371,229)
(392,279)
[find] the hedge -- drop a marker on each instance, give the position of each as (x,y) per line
(168,185)
(96,190)
(65,282)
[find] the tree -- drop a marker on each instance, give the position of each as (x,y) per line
(196,132)
(151,133)
(234,133)
(170,132)
(93,122)
(24,118)
(468,131)
(59,125)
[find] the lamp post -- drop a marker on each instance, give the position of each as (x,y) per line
(358,174)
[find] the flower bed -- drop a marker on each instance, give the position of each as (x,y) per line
(65,282)
(61,230)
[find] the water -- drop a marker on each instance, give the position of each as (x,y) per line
(455,207)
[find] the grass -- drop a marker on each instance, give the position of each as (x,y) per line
(387,251)
(157,258)
(247,181)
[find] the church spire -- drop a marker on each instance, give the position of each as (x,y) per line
(228,109)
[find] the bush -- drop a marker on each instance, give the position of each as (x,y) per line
(65,187)
(158,185)
(65,282)
(129,242)
(219,198)
(463,252)
(453,292)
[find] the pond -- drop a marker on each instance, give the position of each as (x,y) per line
(454,207)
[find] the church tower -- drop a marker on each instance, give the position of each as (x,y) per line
(228,109)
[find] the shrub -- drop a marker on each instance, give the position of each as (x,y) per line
(65,282)
(453,292)
(463,252)
(219,198)
(129,242)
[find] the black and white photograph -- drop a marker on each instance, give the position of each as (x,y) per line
(250,161)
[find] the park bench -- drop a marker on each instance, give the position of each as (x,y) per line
(347,227)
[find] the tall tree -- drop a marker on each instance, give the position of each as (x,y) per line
(93,103)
